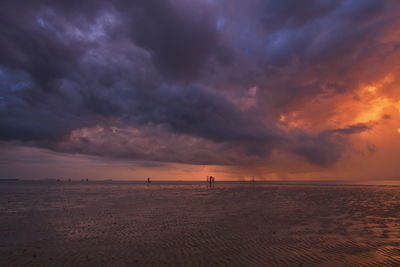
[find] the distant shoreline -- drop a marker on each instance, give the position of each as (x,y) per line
(182,182)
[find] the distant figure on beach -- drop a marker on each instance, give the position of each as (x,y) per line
(148,180)
(211,179)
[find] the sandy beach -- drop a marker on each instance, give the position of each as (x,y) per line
(191,224)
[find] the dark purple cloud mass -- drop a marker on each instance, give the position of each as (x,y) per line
(199,82)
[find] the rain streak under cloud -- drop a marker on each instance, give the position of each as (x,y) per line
(278,88)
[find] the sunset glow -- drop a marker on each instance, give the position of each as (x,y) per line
(371,89)
(264,88)
(199,133)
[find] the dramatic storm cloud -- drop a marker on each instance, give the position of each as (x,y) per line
(256,84)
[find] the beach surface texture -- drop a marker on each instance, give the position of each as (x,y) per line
(194,224)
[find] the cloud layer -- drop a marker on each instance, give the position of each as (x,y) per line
(212,82)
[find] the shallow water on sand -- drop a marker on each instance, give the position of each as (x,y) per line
(184,224)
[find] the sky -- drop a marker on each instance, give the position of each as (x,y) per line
(182,89)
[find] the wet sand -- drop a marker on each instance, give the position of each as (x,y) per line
(130,224)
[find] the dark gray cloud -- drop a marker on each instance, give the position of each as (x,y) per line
(199,82)
(30,49)
(292,13)
(327,146)
(180,39)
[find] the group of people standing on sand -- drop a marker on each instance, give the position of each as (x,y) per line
(210,179)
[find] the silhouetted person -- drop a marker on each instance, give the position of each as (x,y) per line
(211,179)
(148,180)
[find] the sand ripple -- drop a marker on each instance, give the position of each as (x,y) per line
(100,224)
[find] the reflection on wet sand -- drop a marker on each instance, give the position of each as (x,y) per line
(183,224)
